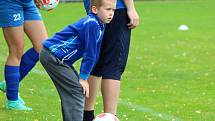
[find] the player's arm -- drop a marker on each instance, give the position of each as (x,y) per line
(89,54)
(38,3)
(132,14)
(90,50)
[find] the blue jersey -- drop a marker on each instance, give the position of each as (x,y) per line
(79,40)
(119,4)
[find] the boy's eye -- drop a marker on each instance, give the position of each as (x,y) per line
(108,8)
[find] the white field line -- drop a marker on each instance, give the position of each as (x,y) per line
(141,108)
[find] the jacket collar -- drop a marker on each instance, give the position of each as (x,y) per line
(102,25)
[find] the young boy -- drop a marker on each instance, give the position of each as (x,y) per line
(79,40)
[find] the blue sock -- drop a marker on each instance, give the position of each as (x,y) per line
(12,76)
(28,61)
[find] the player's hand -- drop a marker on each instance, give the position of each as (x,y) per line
(134,18)
(85,86)
(38,3)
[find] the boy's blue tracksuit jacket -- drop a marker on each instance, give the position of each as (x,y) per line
(79,40)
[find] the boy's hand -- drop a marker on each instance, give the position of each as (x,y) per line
(85,86)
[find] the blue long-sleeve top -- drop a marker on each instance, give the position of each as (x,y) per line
(79,40)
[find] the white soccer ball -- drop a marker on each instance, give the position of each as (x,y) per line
(106,117)
(47,5)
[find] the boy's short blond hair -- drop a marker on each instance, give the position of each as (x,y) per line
(97,3)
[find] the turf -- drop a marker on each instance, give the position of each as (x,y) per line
(169,76)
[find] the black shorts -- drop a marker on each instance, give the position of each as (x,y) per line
(115,47)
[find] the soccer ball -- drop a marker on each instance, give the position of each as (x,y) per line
(47,5)
(106,117)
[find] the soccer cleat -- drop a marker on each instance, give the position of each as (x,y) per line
(17,105)
(3,86)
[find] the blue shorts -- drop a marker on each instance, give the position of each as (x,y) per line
(115,47)
(14,12)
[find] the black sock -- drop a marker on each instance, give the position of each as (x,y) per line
(88,115)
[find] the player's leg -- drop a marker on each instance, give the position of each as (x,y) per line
(110,92)
(66,81)
(14,38)
(11,21)
(94,83)
(36,32)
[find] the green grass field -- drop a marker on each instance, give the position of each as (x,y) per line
(170,73)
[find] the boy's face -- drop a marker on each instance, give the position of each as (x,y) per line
(106,11)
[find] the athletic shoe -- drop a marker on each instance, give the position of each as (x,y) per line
(17,105)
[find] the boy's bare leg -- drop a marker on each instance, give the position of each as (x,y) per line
(94,83)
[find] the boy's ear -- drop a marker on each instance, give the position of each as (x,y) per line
(94,9)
